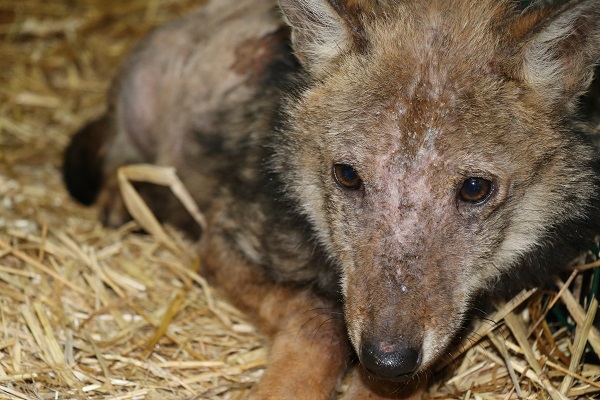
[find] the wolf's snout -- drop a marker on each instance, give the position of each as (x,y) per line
(388,361)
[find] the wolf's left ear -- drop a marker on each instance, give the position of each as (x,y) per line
(559,53)
(323,29)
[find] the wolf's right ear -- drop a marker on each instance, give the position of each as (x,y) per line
(322,29)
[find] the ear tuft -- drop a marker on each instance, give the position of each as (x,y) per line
(561,51)
(319,32)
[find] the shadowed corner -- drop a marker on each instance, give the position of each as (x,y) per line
(84,156)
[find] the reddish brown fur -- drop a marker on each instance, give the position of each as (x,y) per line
(417,97)
(303,340)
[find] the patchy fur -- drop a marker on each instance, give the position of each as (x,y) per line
(415,99)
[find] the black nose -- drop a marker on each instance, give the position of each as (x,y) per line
(389,362)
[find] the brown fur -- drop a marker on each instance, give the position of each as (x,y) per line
(417,97)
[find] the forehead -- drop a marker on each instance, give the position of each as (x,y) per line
(405,115)
(420,77)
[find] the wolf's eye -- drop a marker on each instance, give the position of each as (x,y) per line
(347,177)
(475,190)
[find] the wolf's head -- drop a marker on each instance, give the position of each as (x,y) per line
(432,146)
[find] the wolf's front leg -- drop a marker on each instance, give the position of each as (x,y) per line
(308,352)
(309,349)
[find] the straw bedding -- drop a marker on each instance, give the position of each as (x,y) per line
(90,312)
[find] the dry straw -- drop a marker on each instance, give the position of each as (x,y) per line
(90,312)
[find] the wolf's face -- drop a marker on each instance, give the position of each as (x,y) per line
(432,151)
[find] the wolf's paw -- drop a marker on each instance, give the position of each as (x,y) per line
(112,210)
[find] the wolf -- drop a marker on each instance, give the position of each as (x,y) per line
(370,170)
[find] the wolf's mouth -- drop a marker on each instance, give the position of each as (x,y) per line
(389,361)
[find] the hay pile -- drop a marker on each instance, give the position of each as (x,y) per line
(89,312)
